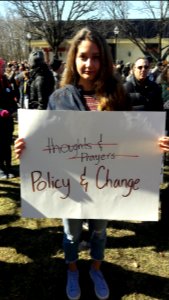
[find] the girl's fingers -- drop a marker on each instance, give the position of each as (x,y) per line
(164,139)
(164,143)
(19,145)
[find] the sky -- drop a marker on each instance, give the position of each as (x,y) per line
(2,7)
(135,12)
(135,9)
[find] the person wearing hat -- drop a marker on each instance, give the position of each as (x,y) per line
(57,67)
(41,83)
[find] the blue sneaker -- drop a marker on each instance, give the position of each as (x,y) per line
(100,285)
(73,289)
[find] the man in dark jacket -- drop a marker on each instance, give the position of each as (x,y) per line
(144,94)
(41,81)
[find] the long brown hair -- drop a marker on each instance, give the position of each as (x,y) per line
(108,88)
(164,76)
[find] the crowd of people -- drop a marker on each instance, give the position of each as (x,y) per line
(90,82)
(23,85)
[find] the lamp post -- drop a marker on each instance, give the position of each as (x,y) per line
(29,37)
(116,33)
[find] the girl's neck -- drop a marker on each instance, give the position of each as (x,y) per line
(87,86)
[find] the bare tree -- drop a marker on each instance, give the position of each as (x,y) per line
(12,44)
(157,11)
(53,20)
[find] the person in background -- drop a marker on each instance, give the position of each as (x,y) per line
(145,95)
(126,71)
(88,84)
(19,78)
(57,67)
(41,81)
(11,71)
(8,106)
(26,89)
(155,73)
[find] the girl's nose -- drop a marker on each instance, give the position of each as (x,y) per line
(88,62)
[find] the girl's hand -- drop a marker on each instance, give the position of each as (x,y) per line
(164,143)
(19,146)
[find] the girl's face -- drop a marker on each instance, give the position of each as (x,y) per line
(87,63)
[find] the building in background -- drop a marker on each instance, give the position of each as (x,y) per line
(121,46)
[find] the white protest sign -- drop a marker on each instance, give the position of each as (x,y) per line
(91,165)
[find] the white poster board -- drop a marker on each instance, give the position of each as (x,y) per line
(91,165)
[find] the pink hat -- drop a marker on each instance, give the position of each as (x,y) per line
(4,113)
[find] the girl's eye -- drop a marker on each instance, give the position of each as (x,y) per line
(96,57)
(83,57)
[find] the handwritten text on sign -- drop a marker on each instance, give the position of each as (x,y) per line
(42,181)
(91,165)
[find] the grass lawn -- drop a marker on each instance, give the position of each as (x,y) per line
(32,262)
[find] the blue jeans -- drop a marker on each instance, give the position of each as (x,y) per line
(72,233)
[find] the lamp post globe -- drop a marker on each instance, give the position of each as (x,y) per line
(116,30)
(116,33)
(29,37)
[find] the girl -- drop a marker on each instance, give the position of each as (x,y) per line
(88,83)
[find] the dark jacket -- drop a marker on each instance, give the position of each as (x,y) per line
(7,96)
(8,107)
(41,87)
(71,98)
(146,97)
